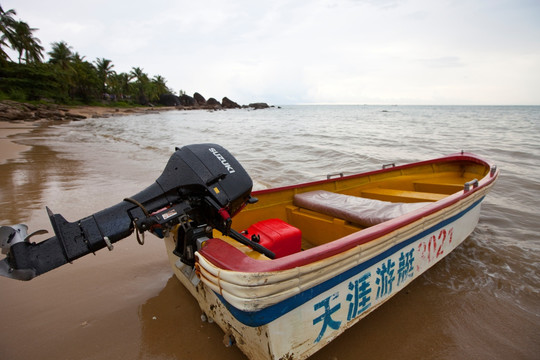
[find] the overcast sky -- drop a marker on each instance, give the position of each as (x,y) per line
(319,51)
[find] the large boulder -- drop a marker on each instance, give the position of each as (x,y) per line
(169,100)
(199,99)
(229,104)
(187,100)
(259,105)
(214,103)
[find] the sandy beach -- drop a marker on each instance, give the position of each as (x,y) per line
(10,148)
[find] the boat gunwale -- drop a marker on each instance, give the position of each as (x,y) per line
(227,257)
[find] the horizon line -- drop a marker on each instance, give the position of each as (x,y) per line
(366,104)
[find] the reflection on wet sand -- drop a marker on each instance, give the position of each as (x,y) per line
(24,181)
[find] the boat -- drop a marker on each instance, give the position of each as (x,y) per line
(282,271)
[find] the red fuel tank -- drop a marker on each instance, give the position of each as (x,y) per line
(276,235)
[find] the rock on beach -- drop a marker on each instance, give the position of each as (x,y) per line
(17,111)
(12,111)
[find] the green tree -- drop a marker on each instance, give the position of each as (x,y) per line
(61,55)
(161,84)
(7,31)
(24,41)
(104,71)
(141,84)
(157,87)
(23,82)
(20,37)
(119,85)
(85,83)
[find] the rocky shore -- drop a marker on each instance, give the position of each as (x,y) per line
(17,111)
(12,111)
(197,101)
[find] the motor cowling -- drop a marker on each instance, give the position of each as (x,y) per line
(211,169)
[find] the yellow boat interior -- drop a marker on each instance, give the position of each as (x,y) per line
(425,182)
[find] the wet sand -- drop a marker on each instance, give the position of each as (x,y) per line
(8,148)
(123,304)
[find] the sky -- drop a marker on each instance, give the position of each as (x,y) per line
(418,52)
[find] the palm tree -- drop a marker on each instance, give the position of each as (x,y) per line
(141,83)
(6,19)
(6,31)
(21,38)
(4,57)
(104,70)
(120,84)
(84,78)
(139,74)
(76,57)
(161,85)
(24,41)
(61,55)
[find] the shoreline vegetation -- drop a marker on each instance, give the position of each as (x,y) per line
(67,78)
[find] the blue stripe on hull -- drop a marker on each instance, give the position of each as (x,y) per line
(269,314)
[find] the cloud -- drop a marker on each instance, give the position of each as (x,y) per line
(442,62)
(322,51)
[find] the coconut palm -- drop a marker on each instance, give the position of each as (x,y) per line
(24,41)
(84,80)
(61,55)
(139,74)
(161,85)
(6,19)
(6,31)
(3,54)
(104,70)
(141,83)
(120,85)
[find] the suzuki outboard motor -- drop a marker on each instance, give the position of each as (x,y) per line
(202,187)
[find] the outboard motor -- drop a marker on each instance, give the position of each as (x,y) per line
(201,188)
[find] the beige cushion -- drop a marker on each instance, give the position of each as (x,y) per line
(362,211)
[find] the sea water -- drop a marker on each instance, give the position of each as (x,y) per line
(481,302)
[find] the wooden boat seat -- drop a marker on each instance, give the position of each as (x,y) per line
(396,195)
(358,210)
(443,186)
